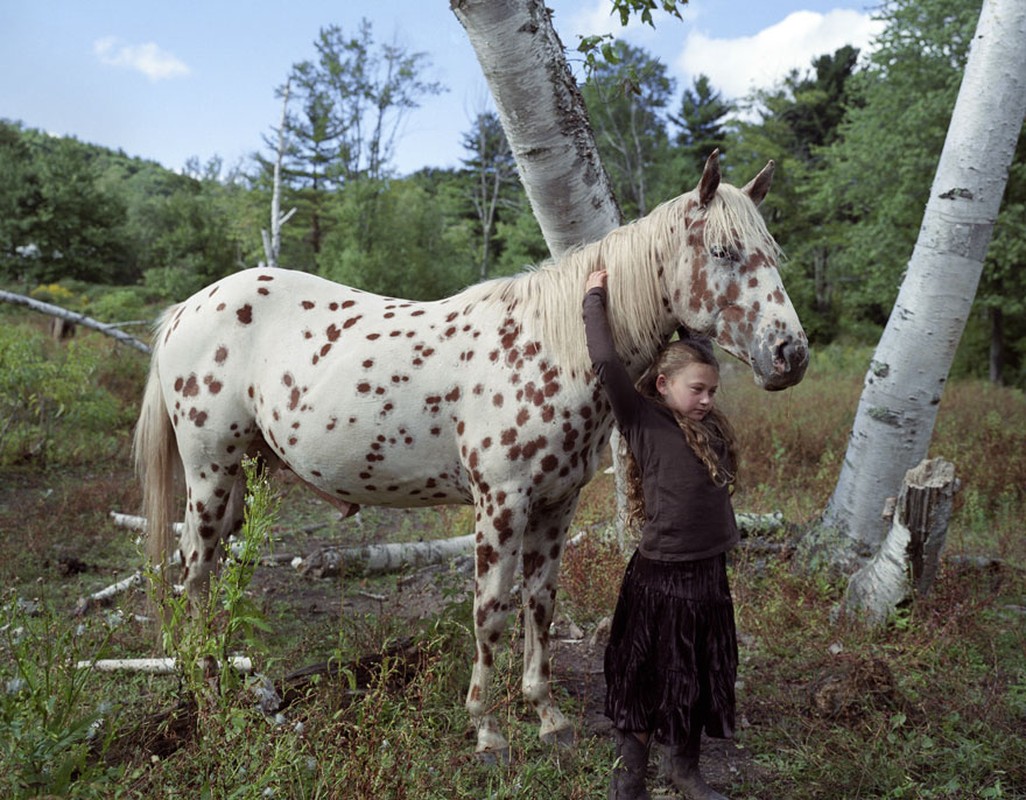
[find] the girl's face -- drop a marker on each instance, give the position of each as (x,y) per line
(690,391)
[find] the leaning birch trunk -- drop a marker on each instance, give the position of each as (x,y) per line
(898,406)
(905,566)
(106,328)
(544,118)
(546,124)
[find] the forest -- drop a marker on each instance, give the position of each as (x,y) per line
(856,140)
(356,678)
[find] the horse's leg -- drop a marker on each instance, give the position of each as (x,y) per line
(499,535)
(543,548)
(215,494)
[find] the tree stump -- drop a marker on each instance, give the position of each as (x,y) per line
(906,564)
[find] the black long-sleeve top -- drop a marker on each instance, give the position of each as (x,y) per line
(687,516)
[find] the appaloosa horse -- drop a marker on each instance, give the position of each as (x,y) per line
(484,398)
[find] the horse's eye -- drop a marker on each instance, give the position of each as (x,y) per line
(721,253)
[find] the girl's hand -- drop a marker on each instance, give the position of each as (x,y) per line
(597,279)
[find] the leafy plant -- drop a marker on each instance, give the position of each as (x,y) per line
(49,723)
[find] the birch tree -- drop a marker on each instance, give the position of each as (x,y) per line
(544,118)
(906,378)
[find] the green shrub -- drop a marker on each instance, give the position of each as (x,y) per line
(51,409)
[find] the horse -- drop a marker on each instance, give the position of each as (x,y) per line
(484,398)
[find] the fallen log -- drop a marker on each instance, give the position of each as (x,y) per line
(379,559)
(905,566)
(153,666)
(107,594)
(106,328)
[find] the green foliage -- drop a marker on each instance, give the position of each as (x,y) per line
(878,171)
(64,223)
(51,409)
(118,305)
(391,239)
(49,722)
(627,100)
(703,125)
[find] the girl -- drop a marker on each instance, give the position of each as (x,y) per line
(671,661)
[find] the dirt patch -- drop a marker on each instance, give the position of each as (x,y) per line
(306,525)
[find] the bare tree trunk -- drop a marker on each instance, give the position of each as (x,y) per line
(996,318)
(906,563)
(898,407)
(272,241)
(106,328)
(547,127)
(544,118)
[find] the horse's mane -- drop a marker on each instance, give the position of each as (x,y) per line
(548,297)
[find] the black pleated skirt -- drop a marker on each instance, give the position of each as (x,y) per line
(671,662)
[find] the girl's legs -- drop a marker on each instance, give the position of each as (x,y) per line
(680,765)
(628,780)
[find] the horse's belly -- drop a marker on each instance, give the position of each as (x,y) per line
(356,455)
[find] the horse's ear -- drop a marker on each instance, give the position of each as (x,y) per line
(710,179)
(758,187)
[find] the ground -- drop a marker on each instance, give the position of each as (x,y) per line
(310,604)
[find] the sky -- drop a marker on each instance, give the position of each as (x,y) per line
(171,81)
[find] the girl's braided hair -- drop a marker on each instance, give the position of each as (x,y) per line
(712,439)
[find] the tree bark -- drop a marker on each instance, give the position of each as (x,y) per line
(996,318)
(905,566)
(544,118)
(898,406)
(547,127)
(272,240)
(378,559)
(106,328)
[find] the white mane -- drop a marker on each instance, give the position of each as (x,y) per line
(636,255)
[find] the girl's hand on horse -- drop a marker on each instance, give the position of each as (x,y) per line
(596,280)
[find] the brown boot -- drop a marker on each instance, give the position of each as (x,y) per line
(628,781)
(681,767)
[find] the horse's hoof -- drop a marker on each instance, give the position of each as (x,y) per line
(564,738)
(493,758)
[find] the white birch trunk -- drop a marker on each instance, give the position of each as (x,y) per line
(548,130)
(378,559)
(898,406)
(106,328)
(544,118)
(153,666)
(272,240)
(906,563)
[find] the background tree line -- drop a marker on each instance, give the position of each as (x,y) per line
(856,139)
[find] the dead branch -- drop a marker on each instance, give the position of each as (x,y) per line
(106,328)
(153,666)
(378,559)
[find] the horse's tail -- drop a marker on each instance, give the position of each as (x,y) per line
(156,460)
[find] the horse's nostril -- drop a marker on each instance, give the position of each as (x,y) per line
(789,354)
(780,356)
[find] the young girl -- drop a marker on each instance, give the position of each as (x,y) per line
(671,661)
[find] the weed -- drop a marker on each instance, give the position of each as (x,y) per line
(49,723)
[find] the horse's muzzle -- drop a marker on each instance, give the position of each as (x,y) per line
(781,361)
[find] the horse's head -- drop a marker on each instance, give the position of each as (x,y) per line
(733,291)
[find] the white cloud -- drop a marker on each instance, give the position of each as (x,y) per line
(149,59)
(737,66)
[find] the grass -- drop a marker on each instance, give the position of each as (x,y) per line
(930,706)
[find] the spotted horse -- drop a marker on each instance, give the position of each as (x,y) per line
(484,398)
